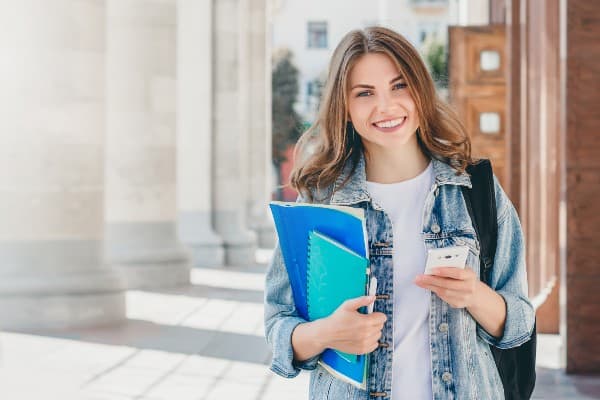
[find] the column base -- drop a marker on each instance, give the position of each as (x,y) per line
(267,238)
(56,285)
(206,255)
(240,248)
(147,254)
(240,254)
(264,228)
(205,246)
(240,243)
(154,276)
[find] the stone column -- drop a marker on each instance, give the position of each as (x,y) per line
(260,166)
(51,168)
(231,131)
(141,232)
(194,132)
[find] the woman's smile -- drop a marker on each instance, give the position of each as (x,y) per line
(389,125)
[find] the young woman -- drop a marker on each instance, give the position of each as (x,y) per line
(384,142)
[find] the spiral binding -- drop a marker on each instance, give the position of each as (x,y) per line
(308,274)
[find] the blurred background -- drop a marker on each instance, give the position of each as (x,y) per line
(141,141)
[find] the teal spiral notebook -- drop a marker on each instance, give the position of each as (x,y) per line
(334,274)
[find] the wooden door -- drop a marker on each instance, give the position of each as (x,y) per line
(477,69)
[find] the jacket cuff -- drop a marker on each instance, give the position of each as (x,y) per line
(518,326)
(283,362)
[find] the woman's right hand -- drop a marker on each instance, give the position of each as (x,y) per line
(350,331)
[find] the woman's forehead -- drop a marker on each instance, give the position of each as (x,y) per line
(372,68)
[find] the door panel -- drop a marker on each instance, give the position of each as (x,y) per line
(477,67)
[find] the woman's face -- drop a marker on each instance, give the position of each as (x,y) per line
(380,105)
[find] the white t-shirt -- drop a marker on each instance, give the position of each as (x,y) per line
(403,203)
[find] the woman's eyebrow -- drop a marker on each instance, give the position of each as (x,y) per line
(362,85)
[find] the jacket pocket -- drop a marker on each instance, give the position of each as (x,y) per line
(473,244)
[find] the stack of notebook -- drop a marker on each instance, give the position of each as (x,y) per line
(325,253)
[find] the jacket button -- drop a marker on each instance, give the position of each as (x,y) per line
(384,345)
(446,377)
(443,327)
(378,394)
(435,228)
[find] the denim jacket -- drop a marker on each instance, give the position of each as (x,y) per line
(462,365)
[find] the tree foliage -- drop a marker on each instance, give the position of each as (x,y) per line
(287,124)
(437,60)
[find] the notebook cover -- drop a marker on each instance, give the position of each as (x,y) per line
(335,274)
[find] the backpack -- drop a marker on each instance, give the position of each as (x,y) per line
(516,366)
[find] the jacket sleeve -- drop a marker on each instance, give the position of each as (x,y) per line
(281,318)
(509,277)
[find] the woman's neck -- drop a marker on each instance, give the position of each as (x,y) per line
(397,165)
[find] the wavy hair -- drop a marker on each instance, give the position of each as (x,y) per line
(324,149)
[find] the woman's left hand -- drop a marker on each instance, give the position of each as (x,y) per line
(457,287)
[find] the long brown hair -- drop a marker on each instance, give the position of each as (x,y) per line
(328,144)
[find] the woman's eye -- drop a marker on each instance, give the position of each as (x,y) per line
(397,86)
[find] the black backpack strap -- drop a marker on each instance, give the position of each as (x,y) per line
(481,203)
(516,366)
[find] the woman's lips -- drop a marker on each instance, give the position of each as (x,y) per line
(392,129)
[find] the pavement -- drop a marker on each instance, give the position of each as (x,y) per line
(199,342)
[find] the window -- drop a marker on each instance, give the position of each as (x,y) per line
(427,29)
(314,87)
(317,35)
(309,93)
(489,60)
(489,122)
(313,93)
(309,88)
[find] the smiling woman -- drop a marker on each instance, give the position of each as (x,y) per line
(383,113)
(386,144)
(376,77)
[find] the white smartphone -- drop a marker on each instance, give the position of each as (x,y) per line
(454,256)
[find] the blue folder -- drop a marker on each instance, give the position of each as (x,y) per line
(343,226)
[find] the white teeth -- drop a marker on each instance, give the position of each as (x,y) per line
(390,124)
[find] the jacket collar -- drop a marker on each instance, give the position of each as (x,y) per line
(355,190)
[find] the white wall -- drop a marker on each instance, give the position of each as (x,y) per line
(472,12)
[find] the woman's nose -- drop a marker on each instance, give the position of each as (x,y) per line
(385,103)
